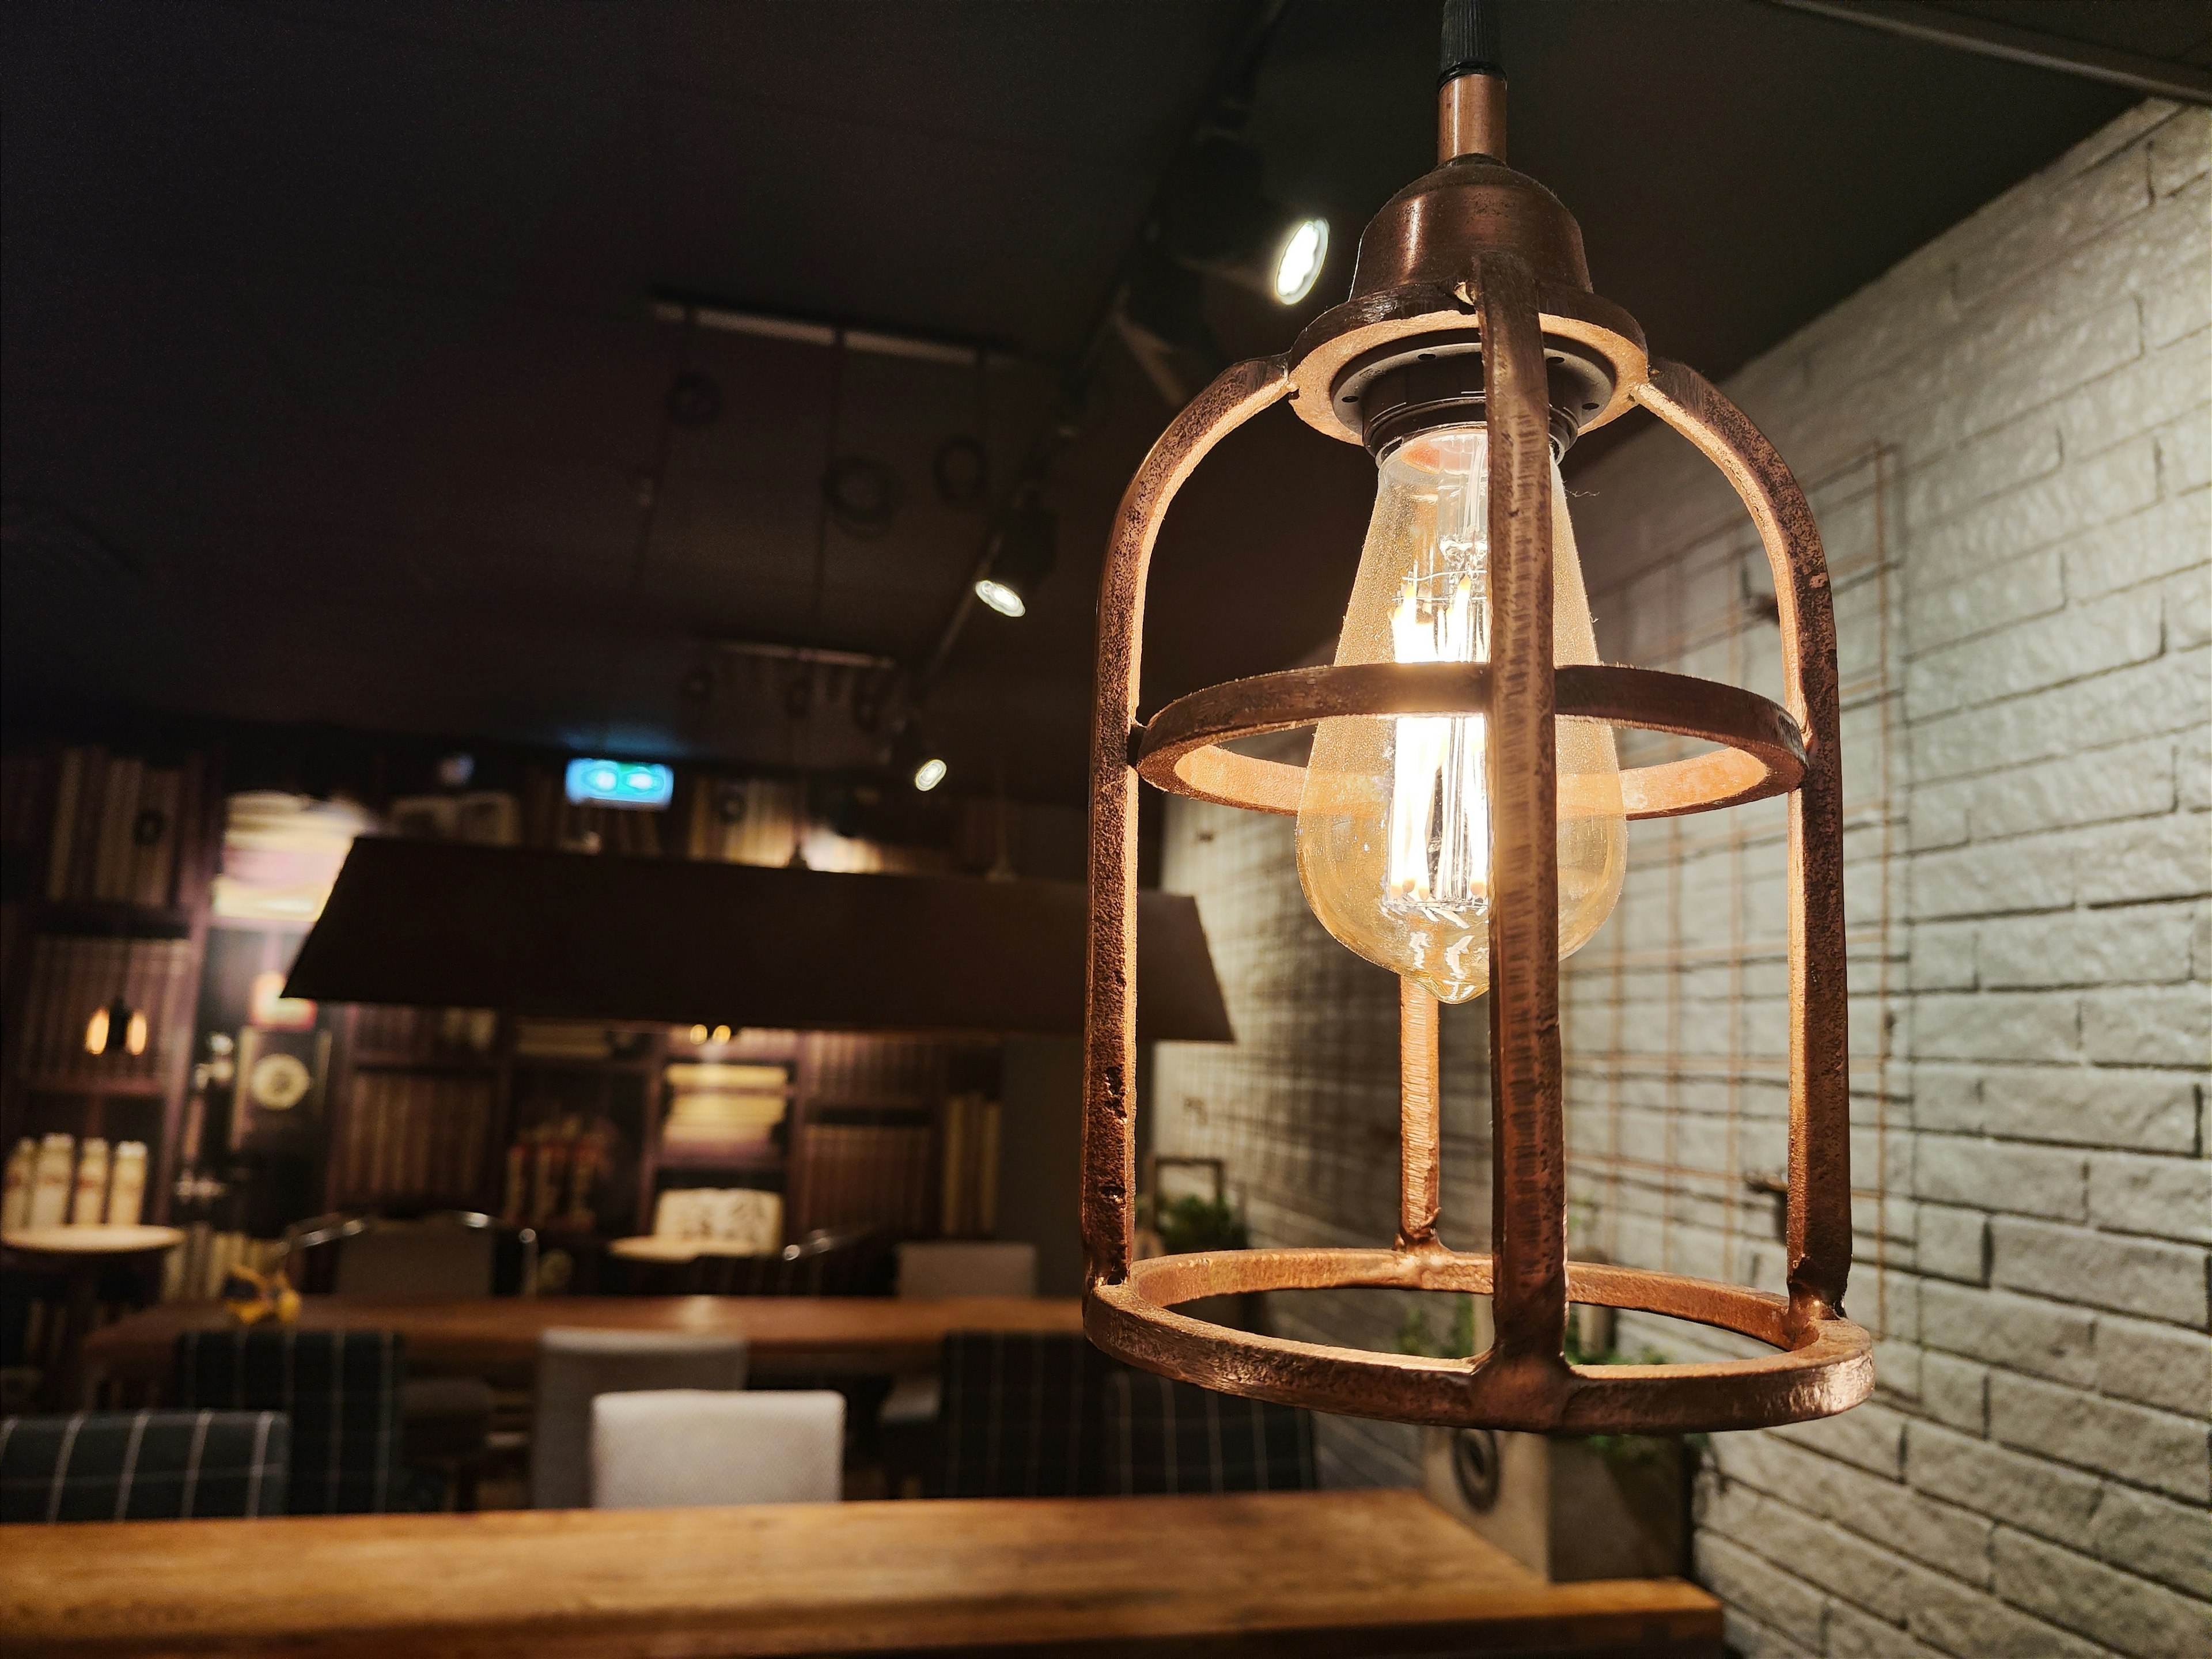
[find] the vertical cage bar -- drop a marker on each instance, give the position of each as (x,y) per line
(1528,1178)
(1819,1214)
(1109,1021)
(1420,1106)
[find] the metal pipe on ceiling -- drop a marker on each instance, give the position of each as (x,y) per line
(1963,31)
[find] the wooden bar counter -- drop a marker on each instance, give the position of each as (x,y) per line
(497,1336)
(1337,1574)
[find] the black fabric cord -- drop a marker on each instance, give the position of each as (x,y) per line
(1472,39)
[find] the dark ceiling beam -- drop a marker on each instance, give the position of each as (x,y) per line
(1938,26)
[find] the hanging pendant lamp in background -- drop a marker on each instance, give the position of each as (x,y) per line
(1463,815)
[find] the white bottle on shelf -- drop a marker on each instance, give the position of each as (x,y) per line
(50,1181)
(126,1192)
(23,1164)
(90,1203)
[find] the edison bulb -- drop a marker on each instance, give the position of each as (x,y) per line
(1394,825)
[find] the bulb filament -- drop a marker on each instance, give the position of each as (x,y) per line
(1439,828)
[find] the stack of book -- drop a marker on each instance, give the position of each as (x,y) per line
(280,852)
(717,1108)
(71,979)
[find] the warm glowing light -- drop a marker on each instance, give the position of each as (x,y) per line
(1299,266)
(929,774)
(1002,600)
(1394,825)
(134,1033)
(721,1034)
(96,1032)
(698,1034)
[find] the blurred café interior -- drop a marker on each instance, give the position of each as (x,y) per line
(630,951)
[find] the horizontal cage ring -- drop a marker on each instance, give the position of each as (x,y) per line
(1182,749)
(1823,1368)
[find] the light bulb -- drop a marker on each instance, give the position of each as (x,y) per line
(1394,825)
(96,1032)
(134,1033)
(1298,267)
(929,774)
(1000,597)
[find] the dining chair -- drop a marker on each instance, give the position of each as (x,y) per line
(446,1421)
(575,1367)
(1020,1417)
(342,1391)
(966,1267)
(1162,1436)
(143,1466)
(936,1268)
(683,1448)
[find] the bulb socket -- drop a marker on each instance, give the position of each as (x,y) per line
(1415,384)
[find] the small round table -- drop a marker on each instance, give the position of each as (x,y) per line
(79,1252)
(677,1251)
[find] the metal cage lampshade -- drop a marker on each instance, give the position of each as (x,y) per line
(1471,302)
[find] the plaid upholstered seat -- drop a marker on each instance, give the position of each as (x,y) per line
(1020,1415)
(1162,1436)
(340,1390)
(142,1466)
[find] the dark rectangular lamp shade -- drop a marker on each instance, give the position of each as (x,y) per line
(583,936)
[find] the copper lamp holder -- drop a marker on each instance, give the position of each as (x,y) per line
(1474,245)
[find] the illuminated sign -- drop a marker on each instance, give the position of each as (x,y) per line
(619,783)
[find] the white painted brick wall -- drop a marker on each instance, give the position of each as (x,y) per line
(2008,440)
(2035,1477)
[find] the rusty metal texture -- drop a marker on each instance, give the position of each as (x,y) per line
(1528,1158)
(1471,117)
(1420,1105)
(1179,749)
(1819,1214)
(1822,1369)
(1419,273)
(1110,1052)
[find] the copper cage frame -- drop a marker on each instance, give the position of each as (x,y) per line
(1475,243)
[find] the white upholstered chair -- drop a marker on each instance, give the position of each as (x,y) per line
(576,1367)
(681,1448)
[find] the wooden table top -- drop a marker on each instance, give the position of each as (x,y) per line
(101,1240)
(482,1335)
(1336,1573)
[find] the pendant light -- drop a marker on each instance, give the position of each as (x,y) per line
(1462,818)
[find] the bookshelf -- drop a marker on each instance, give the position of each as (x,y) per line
(109,855)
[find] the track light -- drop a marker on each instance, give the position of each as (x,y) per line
(914,759)
(1298,265)
(1217,217)
(1020,556)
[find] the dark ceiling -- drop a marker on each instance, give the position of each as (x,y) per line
(332,391)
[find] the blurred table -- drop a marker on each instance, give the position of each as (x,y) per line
(1337,1573)
(676,1252)
(496,1337)
(80,1253)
